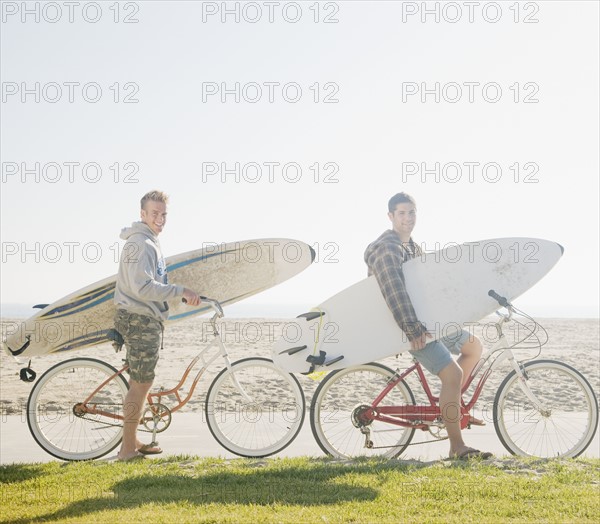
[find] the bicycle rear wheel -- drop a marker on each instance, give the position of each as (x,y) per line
(562,426)
(55,422)
(334,408)
(267,422)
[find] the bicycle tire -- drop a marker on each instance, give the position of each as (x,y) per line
(342,392)
(568,422)
(264,426)
(50,410)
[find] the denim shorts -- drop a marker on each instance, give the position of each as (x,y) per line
(436,355)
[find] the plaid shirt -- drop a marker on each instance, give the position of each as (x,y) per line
(385,257)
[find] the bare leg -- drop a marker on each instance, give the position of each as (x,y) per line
(132,411)
(470,354)
(452,377)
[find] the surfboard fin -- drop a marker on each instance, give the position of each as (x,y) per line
(293,351)
(311,316)
(17,352)
(334,360)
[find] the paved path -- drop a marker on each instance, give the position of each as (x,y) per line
(189,435)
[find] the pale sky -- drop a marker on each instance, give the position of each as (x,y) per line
(517,97)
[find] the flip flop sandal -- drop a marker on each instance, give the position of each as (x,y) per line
(149,449)
(472,453)
(137,456)
(476,422)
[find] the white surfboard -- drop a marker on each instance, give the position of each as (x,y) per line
(448,289)
(226,272)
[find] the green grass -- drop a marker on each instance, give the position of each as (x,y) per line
(187,489)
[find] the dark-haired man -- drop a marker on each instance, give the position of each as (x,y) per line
(384,258)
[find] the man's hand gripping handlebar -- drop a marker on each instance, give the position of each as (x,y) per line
(191,297)
(214,304)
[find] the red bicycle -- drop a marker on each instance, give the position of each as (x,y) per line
(543,408)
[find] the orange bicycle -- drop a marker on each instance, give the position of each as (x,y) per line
(253,408)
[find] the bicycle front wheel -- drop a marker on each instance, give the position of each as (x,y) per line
(336,405)
(55,420)
(254,409)
(563,421)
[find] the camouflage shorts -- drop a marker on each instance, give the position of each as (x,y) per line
(142,339)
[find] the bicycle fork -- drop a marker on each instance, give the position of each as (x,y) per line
(234,379)
(522,377)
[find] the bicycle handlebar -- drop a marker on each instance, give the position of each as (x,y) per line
(501,300)
(214,304)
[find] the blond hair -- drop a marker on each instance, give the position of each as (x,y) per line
(156,196)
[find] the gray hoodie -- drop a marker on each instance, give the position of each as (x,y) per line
(142,280)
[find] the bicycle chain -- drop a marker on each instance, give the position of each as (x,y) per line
(113,425)
(411,444)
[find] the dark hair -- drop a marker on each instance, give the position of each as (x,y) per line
(400,198)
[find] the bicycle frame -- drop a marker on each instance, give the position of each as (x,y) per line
(153,399)
(424,416)
(252,408)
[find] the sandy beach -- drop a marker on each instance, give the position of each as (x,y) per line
(573,341)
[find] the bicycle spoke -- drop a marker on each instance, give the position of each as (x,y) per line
(265,424)
(51,416)
(336,408)
(566,422)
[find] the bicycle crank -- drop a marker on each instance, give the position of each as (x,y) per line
(157,418)
(437,429)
